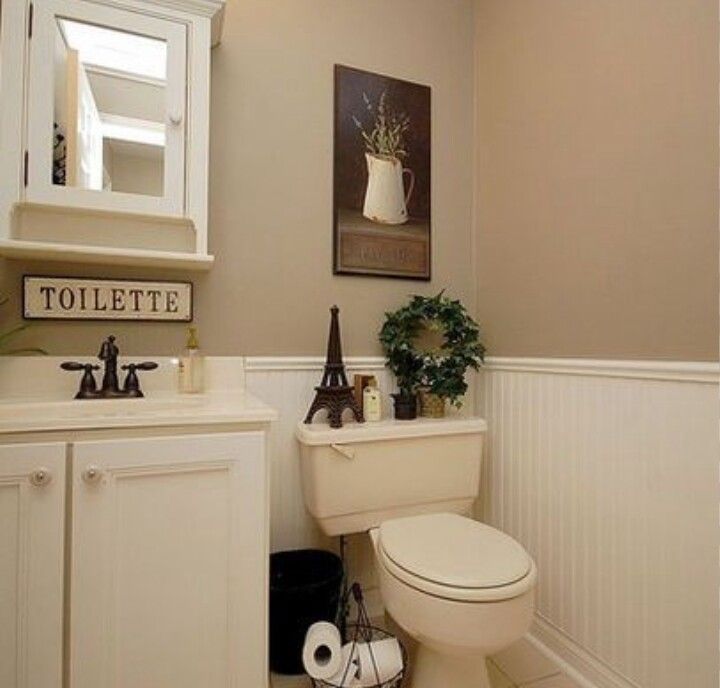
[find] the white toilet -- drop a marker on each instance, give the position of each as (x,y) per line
(462,589)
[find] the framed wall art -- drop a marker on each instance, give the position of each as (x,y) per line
(381,176)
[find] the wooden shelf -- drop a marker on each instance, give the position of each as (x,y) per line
(101,214)
(18,249)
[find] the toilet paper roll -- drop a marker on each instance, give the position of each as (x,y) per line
(347,676)
(322,651)
(378,661)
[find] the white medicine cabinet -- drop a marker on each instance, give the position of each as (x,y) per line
(104,130)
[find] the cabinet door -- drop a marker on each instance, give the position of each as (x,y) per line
(32,490)
(169,563)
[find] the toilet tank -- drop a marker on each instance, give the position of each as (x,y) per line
(358,476)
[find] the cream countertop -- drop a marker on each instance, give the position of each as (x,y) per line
(37,396)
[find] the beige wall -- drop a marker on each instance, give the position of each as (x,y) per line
(597,131)
(271,181)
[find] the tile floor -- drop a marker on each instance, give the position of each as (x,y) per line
(520,666)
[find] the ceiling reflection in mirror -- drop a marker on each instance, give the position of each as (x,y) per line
(109,109)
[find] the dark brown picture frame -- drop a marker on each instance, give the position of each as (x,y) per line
(381,219)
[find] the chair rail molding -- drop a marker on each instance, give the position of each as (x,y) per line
(269,363)
(689,371)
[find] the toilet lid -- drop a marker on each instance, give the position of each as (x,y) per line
(454,551)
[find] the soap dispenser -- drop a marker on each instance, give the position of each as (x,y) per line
(191,365)
(372,405)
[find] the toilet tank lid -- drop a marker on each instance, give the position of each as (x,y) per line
(318,434)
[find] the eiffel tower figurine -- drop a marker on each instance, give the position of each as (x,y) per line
(334,393)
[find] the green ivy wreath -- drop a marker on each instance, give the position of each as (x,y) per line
(441,370)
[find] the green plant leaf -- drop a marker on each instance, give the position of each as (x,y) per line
(442,370)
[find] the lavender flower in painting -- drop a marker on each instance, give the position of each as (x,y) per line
(387,136)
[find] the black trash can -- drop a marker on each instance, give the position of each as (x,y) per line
(305,587)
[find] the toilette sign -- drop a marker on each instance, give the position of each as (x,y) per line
(73,298)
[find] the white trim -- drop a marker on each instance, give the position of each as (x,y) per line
(103,255)
(214,10)
(582,667)
(681,371)
(13,58)
(197,171)
(270,363)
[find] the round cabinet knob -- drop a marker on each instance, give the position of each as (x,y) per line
(92,475)
(175,118)
(40,477)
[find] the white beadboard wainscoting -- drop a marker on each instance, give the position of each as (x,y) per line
(607,472)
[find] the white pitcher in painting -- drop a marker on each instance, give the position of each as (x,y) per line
(385,198)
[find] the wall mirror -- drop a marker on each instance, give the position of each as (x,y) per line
(107,110)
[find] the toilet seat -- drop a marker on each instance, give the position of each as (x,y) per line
(455,558)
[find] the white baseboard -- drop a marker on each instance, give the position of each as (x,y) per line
(582,667)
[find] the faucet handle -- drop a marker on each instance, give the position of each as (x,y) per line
(146,365)
(88,386)
(75,366)
(132,384)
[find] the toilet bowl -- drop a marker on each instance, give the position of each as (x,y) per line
(461,588)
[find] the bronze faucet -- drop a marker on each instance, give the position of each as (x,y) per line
(109,355)
(110,388)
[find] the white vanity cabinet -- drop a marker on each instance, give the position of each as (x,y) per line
(32,516)
(168,562)
(136,556)
(104,130)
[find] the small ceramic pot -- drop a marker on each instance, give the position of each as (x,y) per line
(431,405)
(405,406)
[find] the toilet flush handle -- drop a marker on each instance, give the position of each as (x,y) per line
(347,452)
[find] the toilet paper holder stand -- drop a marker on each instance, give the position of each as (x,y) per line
(362,631)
